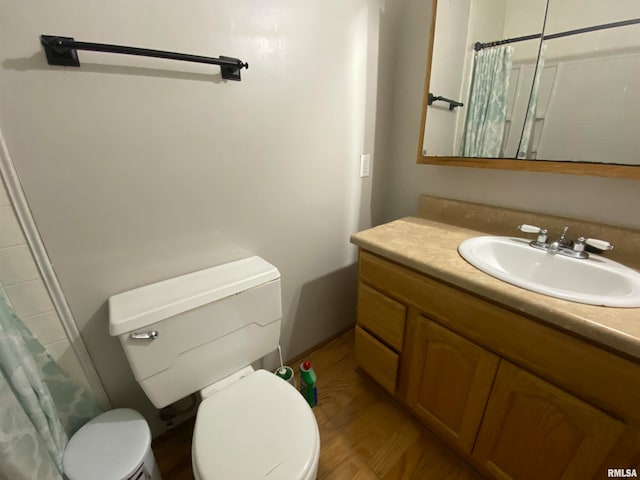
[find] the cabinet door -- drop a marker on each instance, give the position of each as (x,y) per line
(533,430)
(449,382)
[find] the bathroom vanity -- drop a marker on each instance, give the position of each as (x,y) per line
(520,384)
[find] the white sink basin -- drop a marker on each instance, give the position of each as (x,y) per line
(596,280)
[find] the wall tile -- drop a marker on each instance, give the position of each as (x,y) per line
(65,357)
(5,297)
(29,298)
(46,327)
(10,232)
(22,288)
(17,265)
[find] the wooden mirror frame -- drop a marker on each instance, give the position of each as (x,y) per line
(568,167)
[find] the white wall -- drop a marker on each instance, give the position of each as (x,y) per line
(594,103)
(524,17)
(596,84)
(138,170)
(573,14)
(598,199)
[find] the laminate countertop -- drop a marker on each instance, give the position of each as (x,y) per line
(430,247)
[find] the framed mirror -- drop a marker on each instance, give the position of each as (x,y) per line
(537,85)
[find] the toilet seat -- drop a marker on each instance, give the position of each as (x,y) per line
(257,426)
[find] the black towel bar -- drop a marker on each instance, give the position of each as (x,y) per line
(452,103)
(63,51)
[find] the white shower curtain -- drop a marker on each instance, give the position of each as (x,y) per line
(487,106)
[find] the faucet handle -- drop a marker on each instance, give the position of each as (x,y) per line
(599,244)
(529,228)
(543,233)
(577,248)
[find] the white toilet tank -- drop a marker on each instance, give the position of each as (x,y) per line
(202,326)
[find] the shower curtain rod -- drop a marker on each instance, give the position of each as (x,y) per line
(63,51)
(479,46)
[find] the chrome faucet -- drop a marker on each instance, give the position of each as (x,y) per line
(562,245)
(556,246)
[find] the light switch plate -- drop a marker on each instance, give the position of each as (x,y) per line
(365,165)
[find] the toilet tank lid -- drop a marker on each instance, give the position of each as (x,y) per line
(146,305)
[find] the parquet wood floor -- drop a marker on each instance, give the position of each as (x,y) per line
(364,434)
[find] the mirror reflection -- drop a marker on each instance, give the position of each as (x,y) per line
(561,86)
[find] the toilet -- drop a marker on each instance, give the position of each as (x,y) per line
(201,332)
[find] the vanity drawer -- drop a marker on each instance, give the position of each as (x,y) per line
(378,360)
(382,316)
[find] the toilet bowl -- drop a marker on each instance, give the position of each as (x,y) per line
(200,332)
(258,427)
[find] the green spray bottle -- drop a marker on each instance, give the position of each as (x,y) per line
(308,386)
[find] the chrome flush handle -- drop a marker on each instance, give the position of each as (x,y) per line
(151,335)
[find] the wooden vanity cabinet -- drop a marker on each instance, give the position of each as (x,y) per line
(519,399)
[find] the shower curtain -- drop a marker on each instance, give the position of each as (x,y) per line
(41,407)
(487,111)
